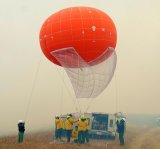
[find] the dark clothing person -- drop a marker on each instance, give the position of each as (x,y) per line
(21,129)
(121,131)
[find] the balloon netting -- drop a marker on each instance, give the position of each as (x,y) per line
(88,80)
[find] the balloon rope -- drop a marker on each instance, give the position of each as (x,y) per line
(116,92)
(32,90)
(89,105)
(80,109)
(61,101)
(77,86)
(67,90)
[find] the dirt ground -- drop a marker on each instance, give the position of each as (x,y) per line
(136,138)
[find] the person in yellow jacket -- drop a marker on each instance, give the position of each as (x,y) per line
(69,126)
(59,127)
(75,134)
(81,129)
(86,130)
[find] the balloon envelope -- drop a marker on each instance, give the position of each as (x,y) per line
(82,40)
(88,30)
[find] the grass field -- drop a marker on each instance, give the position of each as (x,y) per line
(136,138)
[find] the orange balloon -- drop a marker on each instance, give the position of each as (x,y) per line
(88,30)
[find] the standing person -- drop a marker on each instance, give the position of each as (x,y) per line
(81,130)
(121,130)
(68,125)
(75,134)
(59,127)
(86,130)
(21,130)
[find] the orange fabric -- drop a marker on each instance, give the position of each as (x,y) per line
(90,31)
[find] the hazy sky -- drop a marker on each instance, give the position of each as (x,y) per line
(137,80)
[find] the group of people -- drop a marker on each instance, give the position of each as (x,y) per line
(80,131)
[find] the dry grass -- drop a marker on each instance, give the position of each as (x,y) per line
(136,138)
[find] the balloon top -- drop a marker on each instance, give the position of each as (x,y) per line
(88,30)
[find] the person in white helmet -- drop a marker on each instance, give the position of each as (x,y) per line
(121,130)
(21,130)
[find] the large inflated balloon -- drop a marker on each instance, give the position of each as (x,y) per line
(88,30)
(82,40)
